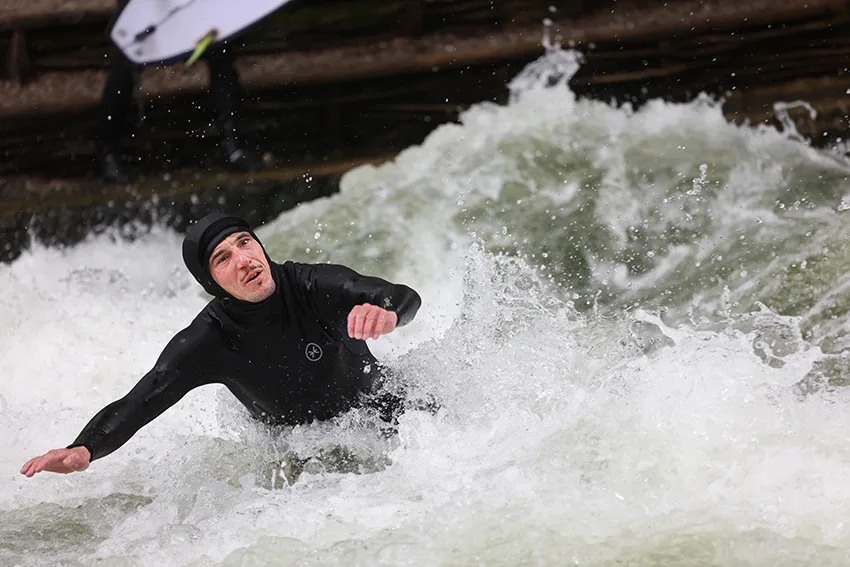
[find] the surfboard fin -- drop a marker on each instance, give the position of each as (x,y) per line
(201,46)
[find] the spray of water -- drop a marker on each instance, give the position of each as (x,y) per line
(633,328)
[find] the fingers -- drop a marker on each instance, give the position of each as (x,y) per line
(48,459)
(25,470)
(27,465)
(360,320)
(32,466)
(360,325)
(352,320)
(356,320)
(58,460)
(38,465)
(44,461)
(377,324)
(368,322)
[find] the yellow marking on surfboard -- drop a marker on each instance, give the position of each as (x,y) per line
(201,46)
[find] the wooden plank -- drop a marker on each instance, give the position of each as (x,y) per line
(28,195)
(58,92)
(80,90)
(37,18)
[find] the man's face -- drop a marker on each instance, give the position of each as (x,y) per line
(239,266)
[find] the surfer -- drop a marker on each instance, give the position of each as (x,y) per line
(226,94)
(287,340)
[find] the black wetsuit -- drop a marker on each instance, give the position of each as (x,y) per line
(288,359)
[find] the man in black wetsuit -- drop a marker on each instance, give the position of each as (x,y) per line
(288,340)
(226,95)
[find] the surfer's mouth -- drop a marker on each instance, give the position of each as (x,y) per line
(253,275)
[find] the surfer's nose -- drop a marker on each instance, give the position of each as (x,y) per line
(242,259)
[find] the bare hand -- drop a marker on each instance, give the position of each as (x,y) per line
(59,461)
(370,322)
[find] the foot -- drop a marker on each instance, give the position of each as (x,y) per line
(114,170)
(240,158)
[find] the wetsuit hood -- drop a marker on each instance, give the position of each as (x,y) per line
(200,242)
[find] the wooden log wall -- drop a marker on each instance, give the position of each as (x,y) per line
(332,84)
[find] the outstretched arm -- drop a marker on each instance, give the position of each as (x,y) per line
(361,306)
(161,388)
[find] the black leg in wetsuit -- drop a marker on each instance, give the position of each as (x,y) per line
(226,94)
(114,106)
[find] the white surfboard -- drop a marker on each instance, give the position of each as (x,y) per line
(156,31)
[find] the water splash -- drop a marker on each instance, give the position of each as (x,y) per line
(625,322)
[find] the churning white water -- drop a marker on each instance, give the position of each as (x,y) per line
(635,323)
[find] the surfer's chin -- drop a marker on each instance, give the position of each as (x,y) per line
(257,291)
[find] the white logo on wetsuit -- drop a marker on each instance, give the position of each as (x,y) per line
(313,352)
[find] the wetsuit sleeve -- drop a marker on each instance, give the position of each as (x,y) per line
(177,371)
(335,290)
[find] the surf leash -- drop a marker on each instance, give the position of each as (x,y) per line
(201,46)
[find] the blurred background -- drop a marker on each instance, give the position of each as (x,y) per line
(333,84)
